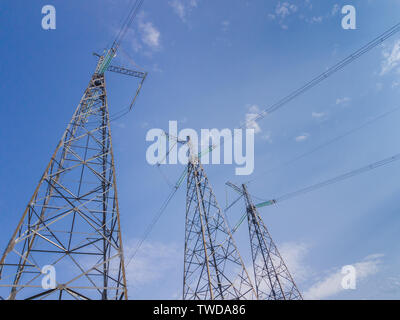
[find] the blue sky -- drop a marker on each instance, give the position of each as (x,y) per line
(210,63)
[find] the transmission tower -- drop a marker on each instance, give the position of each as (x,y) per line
(213,268)
(72,222)
(273,280)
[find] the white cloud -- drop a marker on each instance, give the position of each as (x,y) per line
(183,7)
(153,261)
(225,25)
(293,254)
(150,35)
(284,9)
(391,58)
(315,19)
(343,100)
(317,115)
(332,284)
(141,38)
(156,68)
(267,137)
(250,120)
(335,9)
(302,137)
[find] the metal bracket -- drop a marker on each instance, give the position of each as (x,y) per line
(234,187)
(132,73)
(128,72)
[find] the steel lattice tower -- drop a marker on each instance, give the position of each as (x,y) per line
(273,280)
(213,268)
(72,221)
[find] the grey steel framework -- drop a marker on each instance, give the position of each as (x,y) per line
(273,280)
(72,221)
(213,268)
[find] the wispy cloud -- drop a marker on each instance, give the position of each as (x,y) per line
(332,283)
(335,9)
(391,59)
(225,25)
(294,255)
(343,100)
(267,137)
(183,7)
(152,262)
(318,115)
(145,37)
(250,120)
(318,19)
(303,137)
(150,35)
(283,10)
(156,68)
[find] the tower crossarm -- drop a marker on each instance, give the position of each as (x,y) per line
(128,72)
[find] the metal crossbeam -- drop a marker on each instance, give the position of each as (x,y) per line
(132,73)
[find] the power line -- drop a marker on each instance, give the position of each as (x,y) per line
(314,187)
(332,70)
(128,22)
(342,177)
(329,142)
(165,204)
(268,110)
(158,215)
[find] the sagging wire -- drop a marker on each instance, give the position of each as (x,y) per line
(323,76)
(126,25)
(325,183)
(164,206)
(321,146)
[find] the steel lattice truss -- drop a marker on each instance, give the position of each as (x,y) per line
(273,280)
(72,221)
(213,268)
